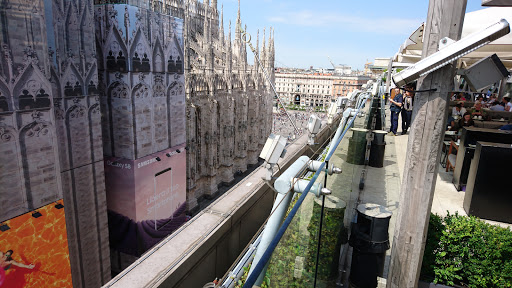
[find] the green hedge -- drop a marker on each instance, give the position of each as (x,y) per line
(467,251)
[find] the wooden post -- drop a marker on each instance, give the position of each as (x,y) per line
(445,19)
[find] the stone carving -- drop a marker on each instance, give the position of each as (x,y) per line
(6,133)
(35,129)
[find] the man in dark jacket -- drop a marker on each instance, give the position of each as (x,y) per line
(395,107)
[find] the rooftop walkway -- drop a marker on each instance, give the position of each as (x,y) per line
(382,185)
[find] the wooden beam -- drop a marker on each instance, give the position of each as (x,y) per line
(445,19)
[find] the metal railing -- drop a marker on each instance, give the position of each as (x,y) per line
(260,266)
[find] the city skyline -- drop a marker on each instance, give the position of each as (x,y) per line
(349,32)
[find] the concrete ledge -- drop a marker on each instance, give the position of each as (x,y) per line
(207,245)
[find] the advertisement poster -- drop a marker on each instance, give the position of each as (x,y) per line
(146,199)
(34,249)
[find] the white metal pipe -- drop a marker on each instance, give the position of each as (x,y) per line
(340,129)
(300,186)
(282,185)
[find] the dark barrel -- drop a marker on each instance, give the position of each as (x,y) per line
(377,149)
(370,240)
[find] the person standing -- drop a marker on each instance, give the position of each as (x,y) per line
(395,107)
(407,110)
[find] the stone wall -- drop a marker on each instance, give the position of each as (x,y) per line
(50,129)
(141,66)
(229,103)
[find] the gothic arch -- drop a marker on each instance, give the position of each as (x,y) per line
(118,99)
(30,84)
(38,134)
(141,46)
(174,50)
(94,117)
(72,81)
(91,81)
(77,127)
(158,57)
(6,101)
(200,85)
(142,119)
(113,45)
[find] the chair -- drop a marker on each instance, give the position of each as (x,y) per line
(452,158)
(444,155)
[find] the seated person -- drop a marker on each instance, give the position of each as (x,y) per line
(465,121)
(508,104)
(480,99)
(478,111)
(497,106)
(458,110)
(491,100)
(507,127)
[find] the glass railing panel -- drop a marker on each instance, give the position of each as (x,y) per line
(293,262)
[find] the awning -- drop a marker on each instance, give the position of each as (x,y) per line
(410,51)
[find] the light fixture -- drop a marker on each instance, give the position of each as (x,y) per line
(272,151)
(37,214)
(451,52)
(158,159)
(314,125)
(178,150)
(485,72)
(168,154)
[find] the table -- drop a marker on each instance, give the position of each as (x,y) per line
(489,124)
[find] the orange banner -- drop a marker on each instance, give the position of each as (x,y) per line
(34,251)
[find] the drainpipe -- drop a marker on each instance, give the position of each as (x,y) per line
(283,186)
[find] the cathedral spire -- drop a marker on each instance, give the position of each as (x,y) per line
(238,26)
(214,5)
(269,52)
(244,48)
(221,34)
(230,52)
(205,28)
(263,55)
(256,55)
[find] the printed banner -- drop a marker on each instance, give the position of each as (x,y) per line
(34,251)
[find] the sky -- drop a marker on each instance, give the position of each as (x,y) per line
(350,32)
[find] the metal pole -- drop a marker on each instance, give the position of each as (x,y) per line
(320,228)
(245,35)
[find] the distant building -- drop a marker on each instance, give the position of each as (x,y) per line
(377,67)
(304,89)
(345,84)
(315,89)
(343,70)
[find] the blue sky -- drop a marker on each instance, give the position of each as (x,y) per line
(350,32)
